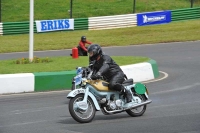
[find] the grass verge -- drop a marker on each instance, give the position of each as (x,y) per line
(172,32)
(60,64)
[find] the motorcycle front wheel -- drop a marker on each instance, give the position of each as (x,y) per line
(138,111)
(82,116)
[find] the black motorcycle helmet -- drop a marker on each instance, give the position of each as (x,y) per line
(94,51)
(83,38)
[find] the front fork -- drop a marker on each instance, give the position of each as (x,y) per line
(83,105)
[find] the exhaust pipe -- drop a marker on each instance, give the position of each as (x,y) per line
(132,107)
(113,112)
(140,104)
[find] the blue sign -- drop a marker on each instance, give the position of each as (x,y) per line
(52,25)
(151,18)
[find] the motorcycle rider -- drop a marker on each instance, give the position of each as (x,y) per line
(104,65)
(82,49)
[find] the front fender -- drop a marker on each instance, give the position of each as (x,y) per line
(82,91)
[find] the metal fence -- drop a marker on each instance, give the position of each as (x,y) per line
(118,7)
(18,10)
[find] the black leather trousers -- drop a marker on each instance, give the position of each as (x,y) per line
(115,83)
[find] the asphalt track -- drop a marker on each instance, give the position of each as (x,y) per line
(175,107)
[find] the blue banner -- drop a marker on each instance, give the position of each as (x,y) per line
(151,18)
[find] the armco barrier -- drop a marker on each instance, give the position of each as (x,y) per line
(105,22)
(1,29)
(110,22)
(10,28)
(186,14)
(81,24)
(51,81)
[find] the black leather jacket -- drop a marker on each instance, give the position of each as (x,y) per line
(107,67)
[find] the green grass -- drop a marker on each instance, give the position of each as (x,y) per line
(18,10)
(172,32)
(60,64)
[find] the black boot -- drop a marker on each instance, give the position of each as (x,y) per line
(128,96)
(125,92)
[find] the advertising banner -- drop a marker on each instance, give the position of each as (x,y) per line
(151,18)
(54,25)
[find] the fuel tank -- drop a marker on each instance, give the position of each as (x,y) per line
(99,85)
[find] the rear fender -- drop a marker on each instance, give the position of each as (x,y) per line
(141,89)
(82,91)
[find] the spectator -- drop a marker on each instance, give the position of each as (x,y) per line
(82,49)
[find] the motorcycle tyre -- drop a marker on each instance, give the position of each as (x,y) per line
(133,114)
(73,114)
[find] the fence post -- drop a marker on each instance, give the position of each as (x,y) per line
(192,1)
(71,9)
(0,10)
(134,5)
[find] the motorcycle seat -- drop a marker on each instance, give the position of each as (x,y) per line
(128,82)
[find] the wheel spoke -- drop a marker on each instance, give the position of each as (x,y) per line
(139,110)
(83,114)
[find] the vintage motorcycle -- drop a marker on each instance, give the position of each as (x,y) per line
(88,96)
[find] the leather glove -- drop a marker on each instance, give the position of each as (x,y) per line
(96,76)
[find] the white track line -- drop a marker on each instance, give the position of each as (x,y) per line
(165,76)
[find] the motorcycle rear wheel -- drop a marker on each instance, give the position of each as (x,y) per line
(138,111)
(80,115)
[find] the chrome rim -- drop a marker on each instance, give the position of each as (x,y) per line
(83,114)
(139,109)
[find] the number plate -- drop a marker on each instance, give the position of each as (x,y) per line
(78,92)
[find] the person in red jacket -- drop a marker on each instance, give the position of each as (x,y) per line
(82,49)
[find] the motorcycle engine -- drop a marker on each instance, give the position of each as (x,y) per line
(113,105)
(118,103)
